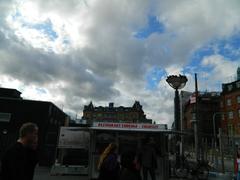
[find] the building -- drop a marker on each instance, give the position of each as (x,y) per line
(14,111)
(208,105)
(184,99)
(134,114)
(230,107)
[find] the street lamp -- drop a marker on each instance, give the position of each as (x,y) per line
(215,140)
(177,82)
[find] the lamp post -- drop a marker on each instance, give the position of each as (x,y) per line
(215,140)
(177,82)
(214,128)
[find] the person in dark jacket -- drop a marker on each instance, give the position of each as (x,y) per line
(149,160)
(108,165)
(20,159)
(129,170)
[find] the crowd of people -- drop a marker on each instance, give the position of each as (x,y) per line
(130,164)
(20,159)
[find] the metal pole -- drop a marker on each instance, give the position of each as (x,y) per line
(215,139)
(177,125)
(212,149)
(181,120)
(196,121)
(177,110)
(221,149)
(214,129)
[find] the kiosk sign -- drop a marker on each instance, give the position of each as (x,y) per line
(129,126)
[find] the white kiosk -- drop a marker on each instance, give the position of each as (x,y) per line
(91,141)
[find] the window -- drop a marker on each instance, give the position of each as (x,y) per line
(238,99)
(221,104)
(238,84)
(229,102)
(193,116)
(222,117)
(230,115)
(230,87)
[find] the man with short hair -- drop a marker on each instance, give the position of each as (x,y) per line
(20,160)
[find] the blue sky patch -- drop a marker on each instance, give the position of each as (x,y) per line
(154,76)
(228,48)
(45,27)
(41,91)
(153,26)
(16,15)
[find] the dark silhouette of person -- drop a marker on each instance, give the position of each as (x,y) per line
(108,164)
(149,160)
(19,161)
(129,170)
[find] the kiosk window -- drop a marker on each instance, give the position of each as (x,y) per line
(103,139)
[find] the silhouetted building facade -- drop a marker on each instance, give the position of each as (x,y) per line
(14,111)
(134,114)
(208,104)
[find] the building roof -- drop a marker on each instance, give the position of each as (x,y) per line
(14,95)
(136,106)
(10,93)
(231,87)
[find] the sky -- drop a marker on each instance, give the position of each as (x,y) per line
(76,51)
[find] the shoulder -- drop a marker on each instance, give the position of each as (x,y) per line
(14,149)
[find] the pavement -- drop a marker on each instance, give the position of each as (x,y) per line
(43,173)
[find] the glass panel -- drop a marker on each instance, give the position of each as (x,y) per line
(238,99)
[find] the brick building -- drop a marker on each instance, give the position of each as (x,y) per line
(134,114)
(208,104)
(230,107)
(14,111)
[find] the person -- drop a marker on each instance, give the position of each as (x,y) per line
(20,159)
(238,164)
(129,170)
(149,160)
(108,165)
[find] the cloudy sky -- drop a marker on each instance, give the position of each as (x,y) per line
(75,51)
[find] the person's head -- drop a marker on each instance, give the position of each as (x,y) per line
(28,135)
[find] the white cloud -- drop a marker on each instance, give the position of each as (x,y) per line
(100,59)
(224,70)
